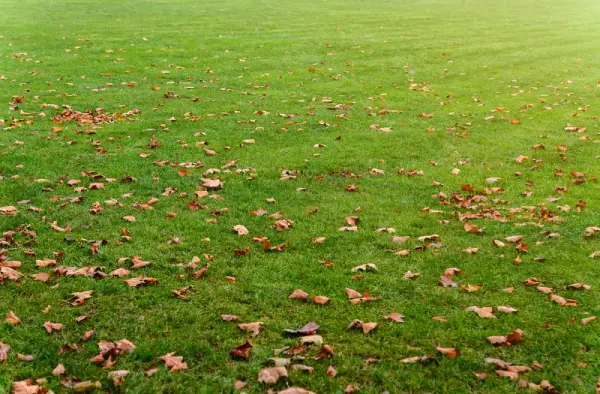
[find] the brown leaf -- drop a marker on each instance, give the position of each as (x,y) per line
(240,230)
(141,281)
(296,390)
(513,338)
(119,272)
(252,327)
(271,375)
(507,374)
(449,352)
(368,327)
(352,294)
(395,316)
(118,376)
(484,313)
(579,286)
(447,281)
(174,363)
(12,319)
(588,320)
(411,275)
(23,357)
(331,372)
(4,348)
(471,228)
(514,239)
(321,300)
(506,309)
(469,288)
(242,351)
(51,327)
(59,370)
(298,295)
(563,301)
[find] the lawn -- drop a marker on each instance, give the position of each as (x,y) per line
(235,151)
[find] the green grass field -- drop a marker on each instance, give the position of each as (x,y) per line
(419,104)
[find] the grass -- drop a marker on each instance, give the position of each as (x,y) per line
(239,57)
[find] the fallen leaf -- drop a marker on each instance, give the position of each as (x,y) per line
(271,375)
(451,353)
